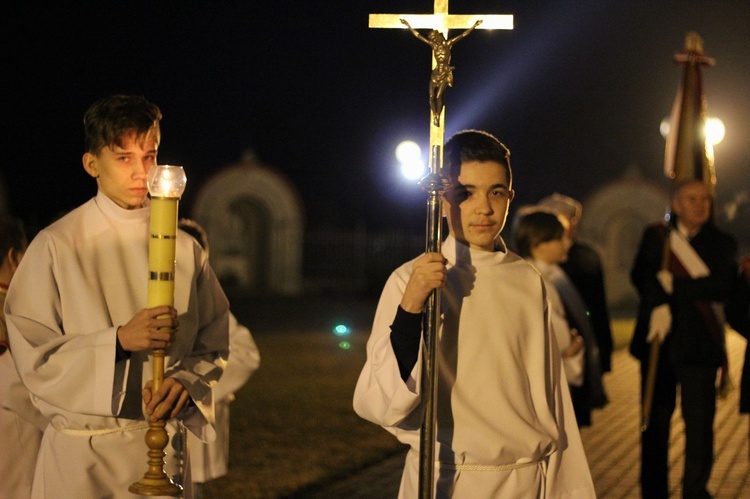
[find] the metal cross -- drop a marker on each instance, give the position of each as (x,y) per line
(440,20)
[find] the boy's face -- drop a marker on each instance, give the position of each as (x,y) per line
(120,172)
(477,205)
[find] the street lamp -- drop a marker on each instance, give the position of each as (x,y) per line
(714,130)
(409,156)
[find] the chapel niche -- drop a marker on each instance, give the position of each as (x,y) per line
(614,218)
(253,217)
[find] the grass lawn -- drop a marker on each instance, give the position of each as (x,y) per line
(293,425)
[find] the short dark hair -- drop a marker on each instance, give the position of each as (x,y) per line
(536,228)
(108,120)
(12,236)
(474,145)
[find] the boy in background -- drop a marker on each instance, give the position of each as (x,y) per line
(21,424)
(209,461)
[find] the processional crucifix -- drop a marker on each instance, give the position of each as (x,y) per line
(436,184)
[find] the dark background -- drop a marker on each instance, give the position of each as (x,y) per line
(577,91)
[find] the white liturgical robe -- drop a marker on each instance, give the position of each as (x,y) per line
(210,460)
(80,279)
(21,427)
(505,423)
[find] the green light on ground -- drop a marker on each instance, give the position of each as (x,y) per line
(341,330)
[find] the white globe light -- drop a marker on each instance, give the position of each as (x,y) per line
(408,151)
(664,127)
(714,131)
(409,155)
(412,170)
(166,181)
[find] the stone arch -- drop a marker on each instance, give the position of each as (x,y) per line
(613,220)
(254,219)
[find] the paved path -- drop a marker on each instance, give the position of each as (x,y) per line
(612,443)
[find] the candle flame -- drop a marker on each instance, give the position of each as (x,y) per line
(166,181)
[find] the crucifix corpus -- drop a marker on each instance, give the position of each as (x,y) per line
(439,22)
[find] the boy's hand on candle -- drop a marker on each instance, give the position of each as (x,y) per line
(169,399)
(148,330)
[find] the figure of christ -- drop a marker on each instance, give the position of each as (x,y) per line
(442,73)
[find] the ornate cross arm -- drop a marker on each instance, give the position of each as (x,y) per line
(441,22)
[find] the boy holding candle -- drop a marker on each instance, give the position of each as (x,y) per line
(80,335)
(505,423)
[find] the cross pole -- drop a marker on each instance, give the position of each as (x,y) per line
(440,21)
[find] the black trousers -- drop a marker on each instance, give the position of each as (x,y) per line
(698,403)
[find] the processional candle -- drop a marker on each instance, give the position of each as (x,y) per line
(166,184)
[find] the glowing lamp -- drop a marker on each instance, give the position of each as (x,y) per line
(714,130)
(166,181)
(409,155)
(341,330)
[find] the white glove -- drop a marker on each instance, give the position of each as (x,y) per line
(666,279)
(660,323)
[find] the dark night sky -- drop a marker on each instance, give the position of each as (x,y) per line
(576,90)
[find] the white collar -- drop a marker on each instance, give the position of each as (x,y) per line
(684,231)
(457,252)
(112,209)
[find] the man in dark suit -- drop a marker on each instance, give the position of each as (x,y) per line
(738,316)
(678,309)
